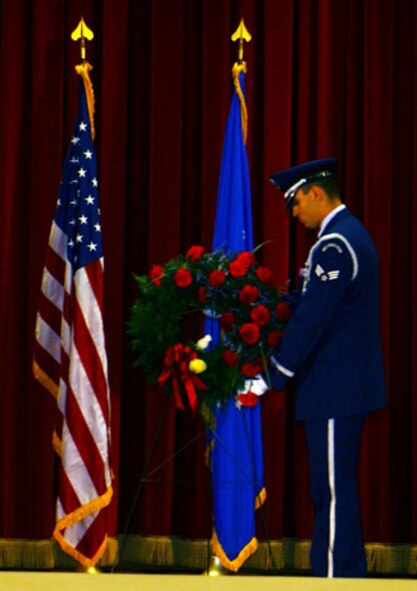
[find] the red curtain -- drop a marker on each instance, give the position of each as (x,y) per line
(324,78)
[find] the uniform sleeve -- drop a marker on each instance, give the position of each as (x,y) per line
(333,265)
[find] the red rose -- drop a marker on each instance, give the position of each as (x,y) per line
(265,275)
(183,277)
(241,264)
(283,311)
(246,259)
(250,333)
(249,294)
(226,321)
(237,268)
(216,278)
(230,357)
(274,338)
(251,370)
(249,399)
(194,253)
(202,294)
(156,274)
(260,315)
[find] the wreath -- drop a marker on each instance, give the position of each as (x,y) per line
(175,300)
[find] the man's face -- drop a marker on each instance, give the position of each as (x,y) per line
(306,209)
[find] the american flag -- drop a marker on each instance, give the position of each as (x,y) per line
(70,355)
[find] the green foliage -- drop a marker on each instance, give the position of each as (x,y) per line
(169,310)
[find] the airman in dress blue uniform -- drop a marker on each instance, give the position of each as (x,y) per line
(332,346)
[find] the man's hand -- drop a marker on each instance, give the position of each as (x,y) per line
(253,389)
(257,385)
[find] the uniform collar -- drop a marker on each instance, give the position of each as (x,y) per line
(330,216)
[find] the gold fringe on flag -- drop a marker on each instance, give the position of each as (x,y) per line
(260,499)
(76,516)
(45,380)
(233,565)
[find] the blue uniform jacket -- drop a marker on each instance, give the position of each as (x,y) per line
(332,342)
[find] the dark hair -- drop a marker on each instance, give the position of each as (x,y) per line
(329,186)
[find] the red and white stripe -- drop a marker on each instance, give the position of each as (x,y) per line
(70,360)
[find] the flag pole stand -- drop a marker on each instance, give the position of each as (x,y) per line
(89,570)
(216,569)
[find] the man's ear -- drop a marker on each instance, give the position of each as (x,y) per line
(319,194)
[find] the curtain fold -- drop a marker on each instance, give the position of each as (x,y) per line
(324,79)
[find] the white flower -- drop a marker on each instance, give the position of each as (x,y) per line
(203,343)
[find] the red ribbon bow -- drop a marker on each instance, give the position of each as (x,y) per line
(176,361)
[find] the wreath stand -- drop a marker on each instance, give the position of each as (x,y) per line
(144,477)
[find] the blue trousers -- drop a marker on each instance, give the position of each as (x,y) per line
(337,546)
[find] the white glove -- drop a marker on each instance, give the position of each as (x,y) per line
(257,385)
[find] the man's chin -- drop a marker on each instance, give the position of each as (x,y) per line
(310,225)
(307,225)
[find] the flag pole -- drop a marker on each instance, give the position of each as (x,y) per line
(241,34)
(82,32)
(234,539)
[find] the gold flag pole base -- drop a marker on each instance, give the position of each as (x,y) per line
(90,570)
(216,569)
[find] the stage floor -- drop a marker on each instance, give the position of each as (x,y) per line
(35,581)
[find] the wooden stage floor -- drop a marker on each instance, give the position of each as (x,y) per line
(56,581)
